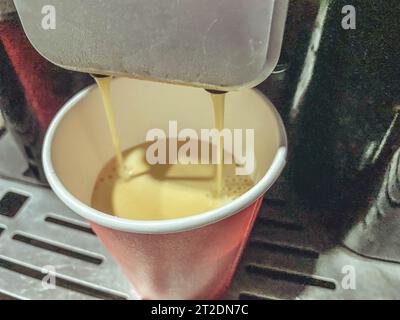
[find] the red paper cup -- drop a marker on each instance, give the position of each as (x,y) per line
(187,258)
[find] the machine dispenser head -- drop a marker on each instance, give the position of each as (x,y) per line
(214,44)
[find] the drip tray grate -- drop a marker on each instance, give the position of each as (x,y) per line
(289,255)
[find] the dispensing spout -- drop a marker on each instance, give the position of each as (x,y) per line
(99,76)
(216,91)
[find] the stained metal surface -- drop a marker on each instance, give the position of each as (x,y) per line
(291,253)
(12,163)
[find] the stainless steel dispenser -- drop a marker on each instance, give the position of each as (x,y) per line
(223,45)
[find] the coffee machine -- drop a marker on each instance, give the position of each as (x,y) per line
(330,230)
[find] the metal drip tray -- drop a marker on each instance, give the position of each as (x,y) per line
(289,255)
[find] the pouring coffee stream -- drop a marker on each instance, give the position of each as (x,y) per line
(104,84)
(129,187)
(126,172)
(218,98)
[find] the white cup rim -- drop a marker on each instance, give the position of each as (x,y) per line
(160,226)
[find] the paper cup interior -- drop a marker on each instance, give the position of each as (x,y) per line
(81,143)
